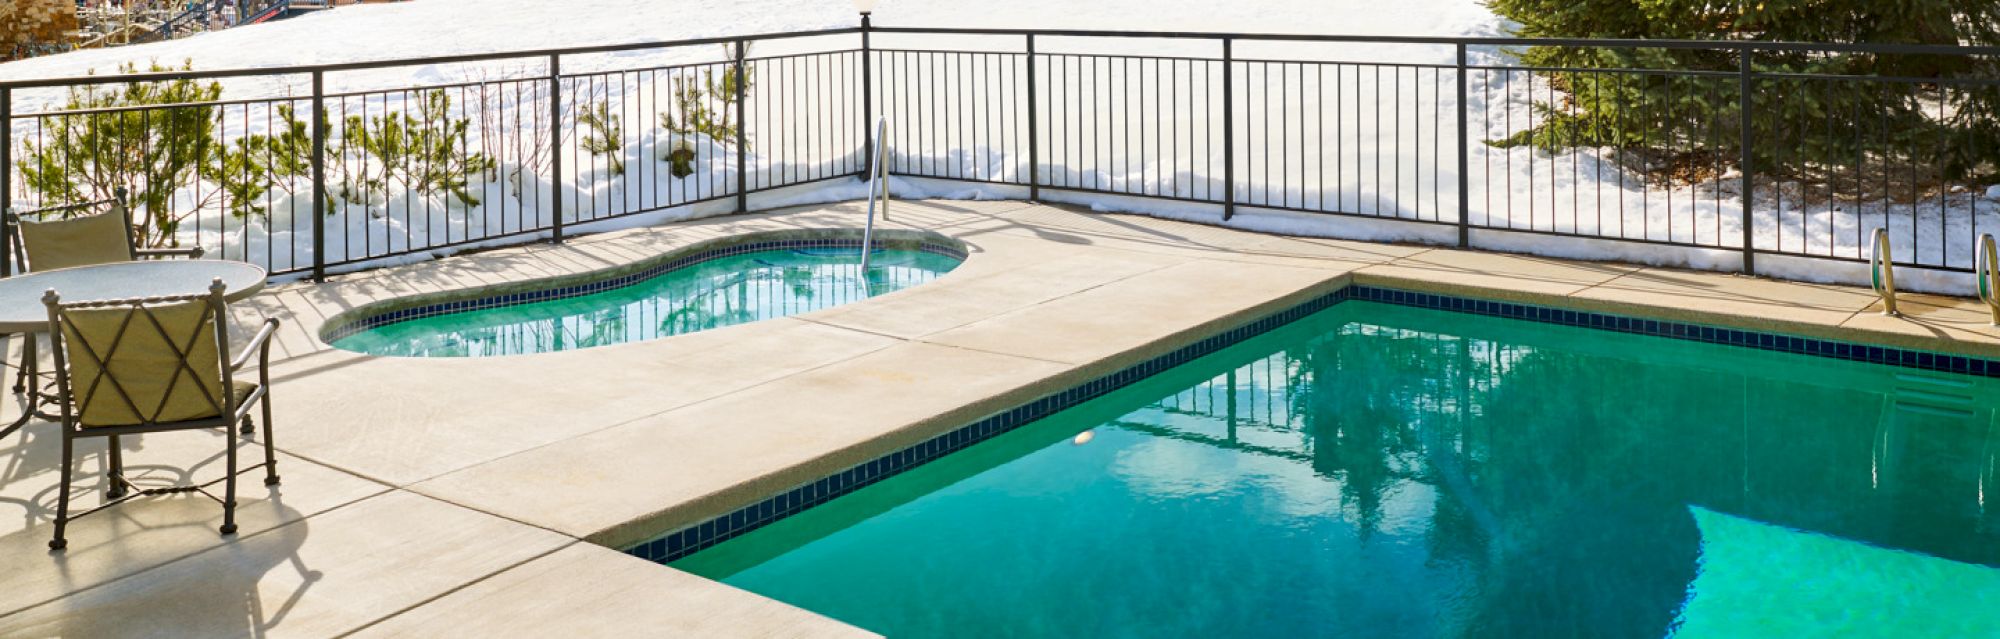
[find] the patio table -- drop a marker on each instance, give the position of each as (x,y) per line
(22,311)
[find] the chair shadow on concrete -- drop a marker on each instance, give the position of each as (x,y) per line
(147,566)
(241,588)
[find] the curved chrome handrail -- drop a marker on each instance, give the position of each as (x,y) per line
(1882,272)
(1986,273)
(878,184)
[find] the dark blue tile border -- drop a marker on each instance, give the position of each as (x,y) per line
(694,538)
(599,286)
(1904,358)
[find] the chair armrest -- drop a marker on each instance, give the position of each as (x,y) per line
(261,345)
(192,252)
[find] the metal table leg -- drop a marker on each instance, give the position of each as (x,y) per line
(27,386)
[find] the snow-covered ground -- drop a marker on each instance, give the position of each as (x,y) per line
(1580,192)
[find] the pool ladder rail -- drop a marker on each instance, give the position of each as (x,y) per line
(1986,274)
(878,185)
(1882,272)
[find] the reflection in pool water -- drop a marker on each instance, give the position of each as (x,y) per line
(1380,471)
(720,292)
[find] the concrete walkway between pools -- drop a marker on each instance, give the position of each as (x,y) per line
(487,497)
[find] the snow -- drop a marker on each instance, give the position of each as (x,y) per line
(1584,191)
(455,27)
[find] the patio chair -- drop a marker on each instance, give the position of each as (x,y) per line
(149,365)
(71,240)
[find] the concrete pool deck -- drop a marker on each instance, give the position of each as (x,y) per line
(486,496)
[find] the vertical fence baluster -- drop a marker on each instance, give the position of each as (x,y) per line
(1034,127)
(1228,130)
(6,179)
(867,98)
(1743,149)
(555,149)
(742,132)
(319,175)
(1095,142)
(1464,158)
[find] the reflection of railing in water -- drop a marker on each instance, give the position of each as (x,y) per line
(1513,430)
(1161,430)
(1275,394)
(1989,476)
(1256,395)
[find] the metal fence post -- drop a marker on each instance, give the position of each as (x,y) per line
(1744,163)
(319,175)
(867,96)
(555,148)
(6,179)
(1228,129)
(1464,161)
(1034,131)
(742,131)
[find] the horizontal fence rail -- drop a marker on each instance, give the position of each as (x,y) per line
(1707,154)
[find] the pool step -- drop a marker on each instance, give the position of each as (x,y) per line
(1941,396)
(1922,403)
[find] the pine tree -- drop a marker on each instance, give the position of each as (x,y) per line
(1902,110)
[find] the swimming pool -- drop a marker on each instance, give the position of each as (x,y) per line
(1378,470)
(710,289)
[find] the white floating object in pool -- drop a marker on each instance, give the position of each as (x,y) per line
(1084,437)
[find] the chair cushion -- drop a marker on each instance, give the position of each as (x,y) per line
(79,241)
(144,363)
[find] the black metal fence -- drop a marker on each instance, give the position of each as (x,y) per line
(1448,140)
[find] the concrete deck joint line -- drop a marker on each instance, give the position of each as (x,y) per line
(455,589)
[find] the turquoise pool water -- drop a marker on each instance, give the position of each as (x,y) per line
(1382,471)
(721,292)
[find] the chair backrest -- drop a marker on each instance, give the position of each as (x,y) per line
(83,240)
(142,361)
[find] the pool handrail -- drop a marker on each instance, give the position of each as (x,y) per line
(1986,273)
(1882,272)
(878,184)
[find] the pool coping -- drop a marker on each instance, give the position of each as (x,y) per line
(687,540)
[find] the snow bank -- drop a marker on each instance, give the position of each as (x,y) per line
(1582,192)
